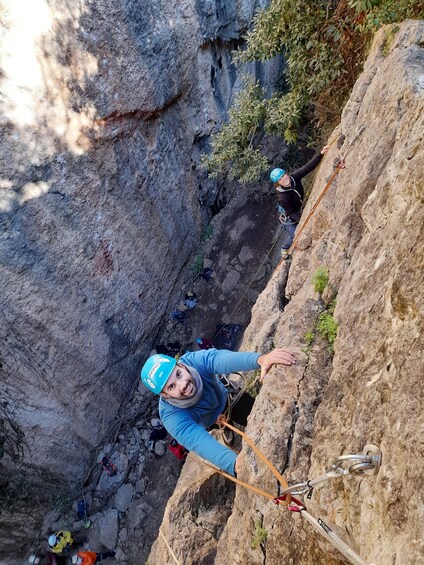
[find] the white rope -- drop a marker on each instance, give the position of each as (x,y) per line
(169,547)
(322,528)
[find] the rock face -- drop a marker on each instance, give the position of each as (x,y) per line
(102,201)
(368,234)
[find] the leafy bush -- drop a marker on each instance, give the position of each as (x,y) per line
(309,340)
(324,44)
(197,265)
(320,279)
(327,328)
(260,535)
(207,233)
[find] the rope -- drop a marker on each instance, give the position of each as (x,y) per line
(309,216)
(293,505)
(261,456)
(169,547)
(323,529)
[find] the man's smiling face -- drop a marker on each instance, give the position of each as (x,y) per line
(180,384)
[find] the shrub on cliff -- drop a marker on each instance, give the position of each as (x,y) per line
(324,45)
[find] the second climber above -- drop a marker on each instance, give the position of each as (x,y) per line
(290,194)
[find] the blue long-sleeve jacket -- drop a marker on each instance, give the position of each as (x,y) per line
(187,425)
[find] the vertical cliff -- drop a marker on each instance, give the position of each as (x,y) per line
(106,107)
(368,234)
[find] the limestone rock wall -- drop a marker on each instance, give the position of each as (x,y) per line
(106,107)
(368,233)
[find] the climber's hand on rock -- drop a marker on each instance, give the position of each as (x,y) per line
(325,149)
(280,356)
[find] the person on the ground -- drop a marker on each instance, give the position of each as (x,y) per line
(192,397)
(190,300)
(90,557)
(63,540)
(204,343)
(290,195)
(60,541)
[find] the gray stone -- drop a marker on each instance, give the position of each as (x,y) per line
(140,485)
(123,497)
(123,534)
(137,435)
(230,281)
(160,448)
(145,435)
(138,512)
(120,556)
(245,254)
(121,461)
(109,528)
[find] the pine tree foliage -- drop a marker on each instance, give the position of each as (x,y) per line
(324,44)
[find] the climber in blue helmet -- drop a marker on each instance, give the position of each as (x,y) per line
(192,397)
(290,194)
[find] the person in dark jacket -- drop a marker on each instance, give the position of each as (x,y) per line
(290,194)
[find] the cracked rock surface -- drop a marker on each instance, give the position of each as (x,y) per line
(368,233)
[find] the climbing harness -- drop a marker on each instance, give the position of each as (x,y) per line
(235,391)
(366,463)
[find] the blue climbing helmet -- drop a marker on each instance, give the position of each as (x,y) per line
(276,174)
(156,371)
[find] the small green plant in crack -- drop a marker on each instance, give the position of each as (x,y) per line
(260,535)
(320,279)
(253,385)
(197,265)
(327,328)
(207,233)
(309,340)
(390,35)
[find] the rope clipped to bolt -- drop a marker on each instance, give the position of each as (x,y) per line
(291,503)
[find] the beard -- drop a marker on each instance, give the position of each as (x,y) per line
(190,389)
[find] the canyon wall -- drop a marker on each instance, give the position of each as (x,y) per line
(106,108)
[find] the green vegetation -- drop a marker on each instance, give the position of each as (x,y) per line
(320,279)
(388,39)
(309,338)
(327,327)
(324,45)
(232,147)
(207,233)
(260,535)
(253,385)
(197,265)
